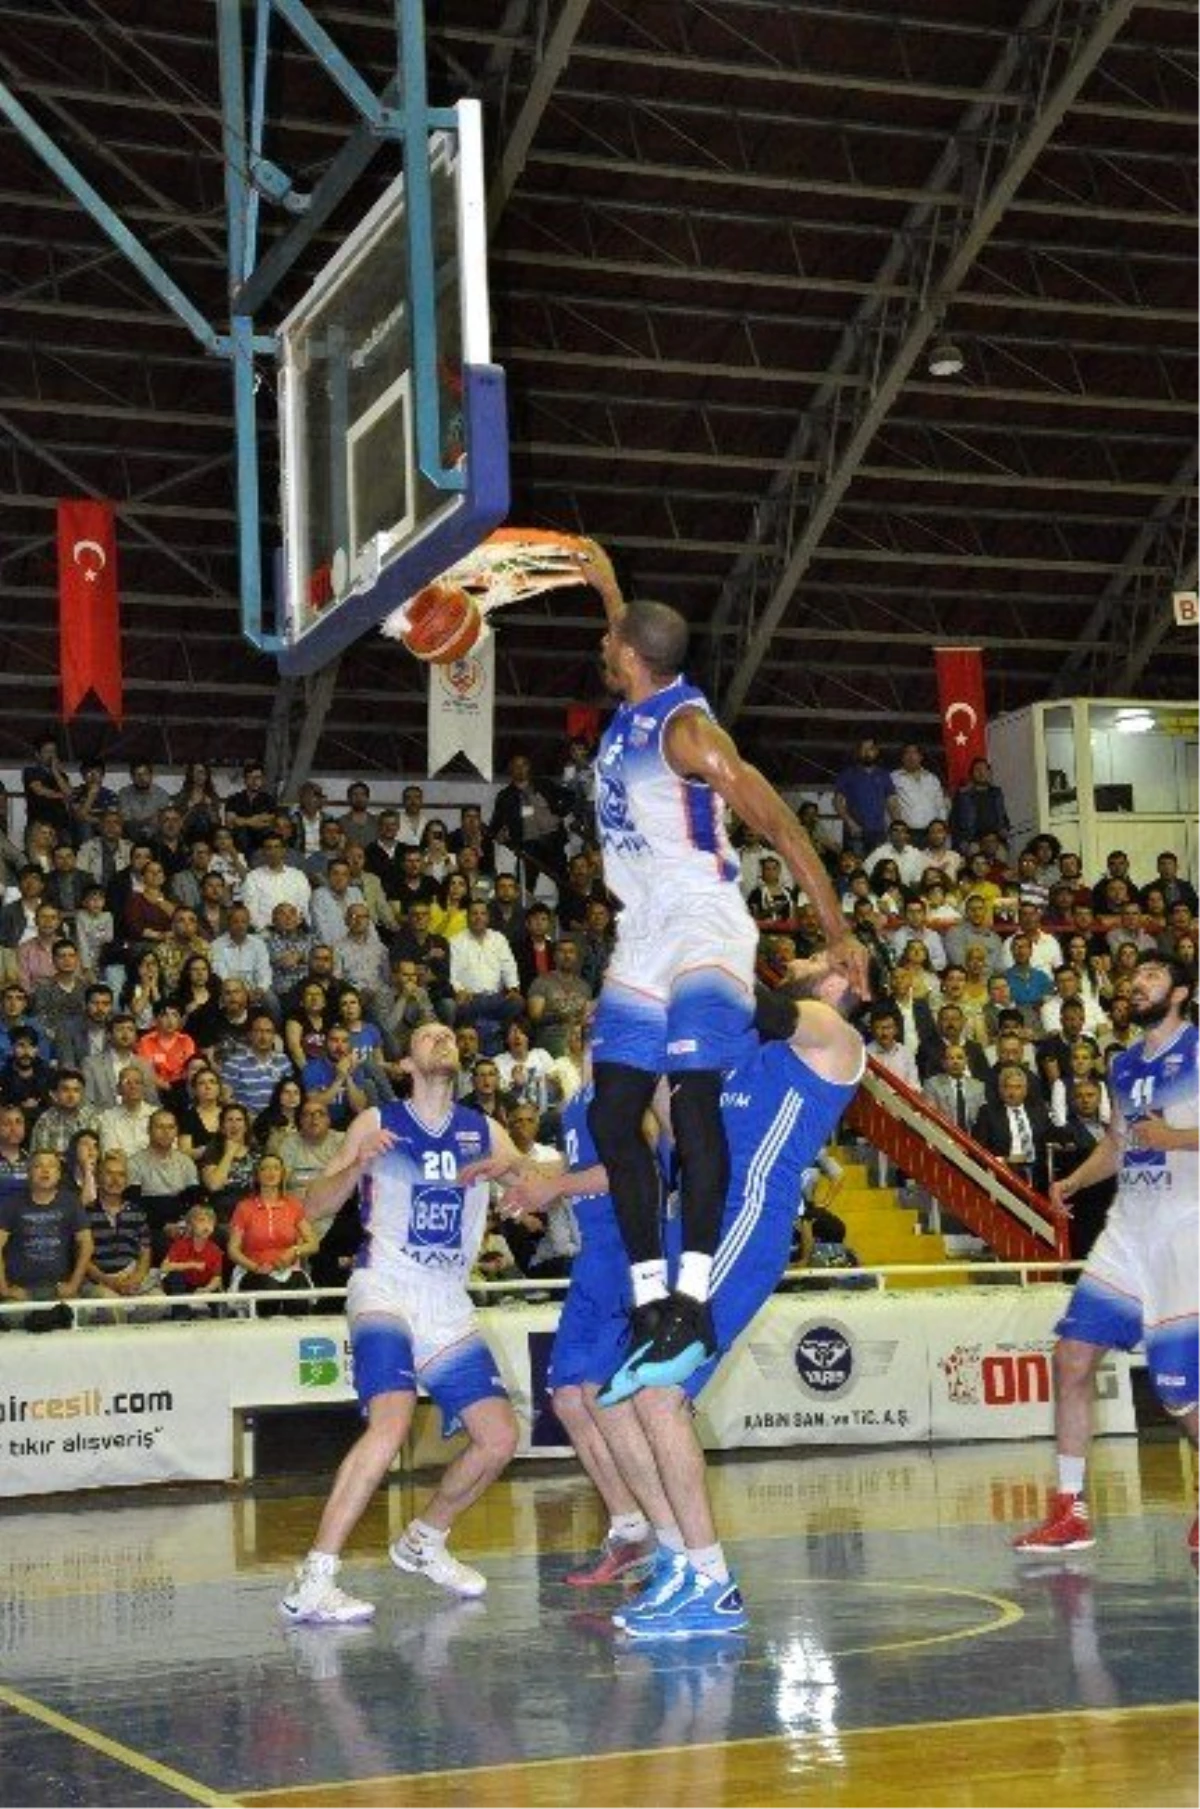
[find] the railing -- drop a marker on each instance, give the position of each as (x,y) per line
(144,1309)
(1013,1218)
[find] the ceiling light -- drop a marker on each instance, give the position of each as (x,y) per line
(945,359)
(1133,722)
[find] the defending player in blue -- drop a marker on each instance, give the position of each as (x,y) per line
(1140,1279)
(779,1107)
(411,1317)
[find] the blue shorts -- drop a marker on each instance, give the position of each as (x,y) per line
(593,1327)
(454,1379)
(1097,1314)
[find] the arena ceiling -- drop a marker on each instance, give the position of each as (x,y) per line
(725,236)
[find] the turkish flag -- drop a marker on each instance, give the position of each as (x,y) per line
(89,625)
(963,709)
(583,723)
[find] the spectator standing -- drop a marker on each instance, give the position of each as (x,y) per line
(89,801)
(918,795)
(863,796)
(250,812)
(978,809)
(47,789)
(527,819)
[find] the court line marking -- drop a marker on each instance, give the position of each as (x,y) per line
(1121,1713)
(128,1756)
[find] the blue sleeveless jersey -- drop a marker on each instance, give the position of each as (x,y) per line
(418,1218)
(593,1211)
(1160,1085)
(777,1114)
(660,834)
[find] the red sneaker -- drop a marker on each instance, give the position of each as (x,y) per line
(1065,1528)
(619,1562)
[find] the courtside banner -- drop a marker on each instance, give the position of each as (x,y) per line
(836,1368)
(991,1373)
(462,707)
(107,1407)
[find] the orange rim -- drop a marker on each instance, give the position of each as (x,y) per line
(549,537)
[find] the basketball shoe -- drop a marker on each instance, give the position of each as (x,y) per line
(316,1599)
(681,1342)
(688,1605)
(620,1561)
(643,1324)
(1066,1527)
(438,1565)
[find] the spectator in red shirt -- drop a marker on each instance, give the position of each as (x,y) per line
(269,1236)
(168,1047)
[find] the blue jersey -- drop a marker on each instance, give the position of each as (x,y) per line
(660,834)
(1162,1085)
(592,1210)
(777,1114)
(418,1217)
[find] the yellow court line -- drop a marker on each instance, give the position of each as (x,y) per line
(399,1778)
(116,1749)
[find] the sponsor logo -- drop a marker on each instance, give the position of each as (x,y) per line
(686,1046)
(735,1099)
(824,1359)
(317,1363)
(463,679)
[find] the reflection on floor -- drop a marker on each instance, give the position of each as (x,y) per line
(899,1651)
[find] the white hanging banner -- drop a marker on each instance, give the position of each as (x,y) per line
(462,706)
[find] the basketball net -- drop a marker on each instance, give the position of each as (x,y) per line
(513,564)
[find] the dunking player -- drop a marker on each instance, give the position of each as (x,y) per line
(1140,1276)
(411,1316)
(678,994)
(778,1108)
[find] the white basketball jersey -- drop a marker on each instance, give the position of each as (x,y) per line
(418,1218)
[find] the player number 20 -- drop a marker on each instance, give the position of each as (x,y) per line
(440,1165)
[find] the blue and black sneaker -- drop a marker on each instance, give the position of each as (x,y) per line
(643,1324)
(682,1342)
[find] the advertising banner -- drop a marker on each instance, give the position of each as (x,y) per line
(100,1408)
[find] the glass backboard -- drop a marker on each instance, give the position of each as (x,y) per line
(367,520)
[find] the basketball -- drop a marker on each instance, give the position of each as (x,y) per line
(443,624)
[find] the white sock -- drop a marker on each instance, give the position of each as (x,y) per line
(1070,1475)
(694,1272)
(709,1560)
(649,1281)
(630,1529)
(419,1532)
(324,1561)
(670,1538)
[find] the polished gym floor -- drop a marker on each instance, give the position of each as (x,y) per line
(899,1651)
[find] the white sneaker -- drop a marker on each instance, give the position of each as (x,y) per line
(315,1597)
(439,1565)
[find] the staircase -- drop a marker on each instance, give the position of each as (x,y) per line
(881,1229)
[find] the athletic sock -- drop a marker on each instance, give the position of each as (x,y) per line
(694,1272)
(670,1539)
(630,1529)
(649,1282)
(419,1532)
(1070,1475)
(709,1560)
(324,1561)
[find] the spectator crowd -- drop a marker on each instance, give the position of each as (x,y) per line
(198,993)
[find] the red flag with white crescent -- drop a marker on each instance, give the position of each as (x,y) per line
(963,709)
(88,611)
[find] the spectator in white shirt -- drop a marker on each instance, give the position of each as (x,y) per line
(899,848)
(126,1126)
(242,954)
(483,973)
(413,816)
(274,883)
(938,852)
(889,1051)
(1044,950)
(918,795)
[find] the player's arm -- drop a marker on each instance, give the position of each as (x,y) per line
(1101,1165)
(1155,1133)
(327,1192)
(697,747)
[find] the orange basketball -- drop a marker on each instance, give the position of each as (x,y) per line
(443,624)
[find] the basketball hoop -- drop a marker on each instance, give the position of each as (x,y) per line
(513,564)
